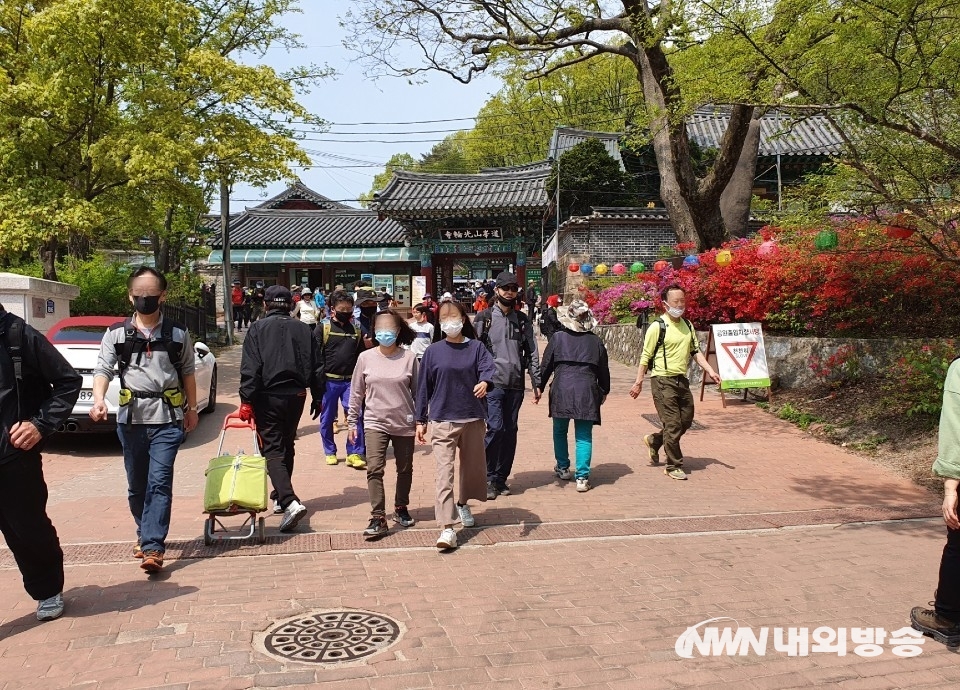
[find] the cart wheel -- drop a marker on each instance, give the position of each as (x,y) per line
(208,531)
(262,530)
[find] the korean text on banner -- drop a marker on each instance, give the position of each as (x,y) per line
(741,356)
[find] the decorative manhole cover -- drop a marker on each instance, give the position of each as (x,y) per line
(655,420)
(331,637)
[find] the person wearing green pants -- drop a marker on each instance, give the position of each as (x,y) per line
(577,360)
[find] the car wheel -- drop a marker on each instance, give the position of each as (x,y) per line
(212,399)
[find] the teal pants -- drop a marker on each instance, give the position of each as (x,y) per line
(583,433)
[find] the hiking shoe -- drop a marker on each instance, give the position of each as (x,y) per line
(50,609)
(277,508)
(466,517)
(932,624)
(332,460)
(675,473)
(491,491)
(583,484)
(152,562)
(356,461)
(563,473)
(137,551)
(652,450)
(294,513)
(447,539)
(402,517)
(503,489)
(377,527)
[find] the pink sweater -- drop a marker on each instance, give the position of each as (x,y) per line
(384,389)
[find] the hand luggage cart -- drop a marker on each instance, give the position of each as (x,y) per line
(235,485)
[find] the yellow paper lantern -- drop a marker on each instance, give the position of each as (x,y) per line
(724,257)
(602,269)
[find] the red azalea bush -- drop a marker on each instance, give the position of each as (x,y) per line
(870,286)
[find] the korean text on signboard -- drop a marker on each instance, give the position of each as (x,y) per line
(462,234)
(741,356)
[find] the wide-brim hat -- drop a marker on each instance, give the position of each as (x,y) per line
(577,317)
(367,295)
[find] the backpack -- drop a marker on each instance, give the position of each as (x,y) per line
(481,324)
(134,344)
(13,343)
(328,331)
(663,336)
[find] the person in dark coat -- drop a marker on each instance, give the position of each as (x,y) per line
(549,324)
(577,360)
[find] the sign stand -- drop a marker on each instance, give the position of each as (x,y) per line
(712,350)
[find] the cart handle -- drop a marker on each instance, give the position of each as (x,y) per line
(233,421)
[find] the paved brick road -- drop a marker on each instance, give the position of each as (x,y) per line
(553,589)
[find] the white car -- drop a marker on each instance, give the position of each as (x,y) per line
(78,340)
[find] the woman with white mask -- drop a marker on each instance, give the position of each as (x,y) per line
(455,375)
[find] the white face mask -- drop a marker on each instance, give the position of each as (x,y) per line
(675,312)
(451,328)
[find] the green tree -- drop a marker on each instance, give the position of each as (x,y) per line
(589,176)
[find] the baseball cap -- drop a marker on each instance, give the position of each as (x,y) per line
(278,293)
(506,278)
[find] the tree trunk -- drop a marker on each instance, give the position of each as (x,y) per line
(161,244)
(692,202)
(736,197)
(48,257)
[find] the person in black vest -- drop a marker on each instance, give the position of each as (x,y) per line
(38,390)
(155,359)
(280,361)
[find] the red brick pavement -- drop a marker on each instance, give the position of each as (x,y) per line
(510,607)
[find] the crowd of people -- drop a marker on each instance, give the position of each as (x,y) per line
(441,378)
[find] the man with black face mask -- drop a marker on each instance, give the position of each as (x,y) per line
(158,406)
(341,342)
(508,334)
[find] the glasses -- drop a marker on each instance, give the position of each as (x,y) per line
(511,288)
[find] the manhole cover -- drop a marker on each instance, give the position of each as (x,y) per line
(655,420)
(331,637)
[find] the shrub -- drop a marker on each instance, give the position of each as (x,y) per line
(844,367)
(916,382)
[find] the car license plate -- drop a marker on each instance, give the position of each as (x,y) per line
(85,396)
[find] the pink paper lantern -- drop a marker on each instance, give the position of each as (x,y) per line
(619,269)
(766,249)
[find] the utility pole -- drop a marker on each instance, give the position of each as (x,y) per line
(225,254)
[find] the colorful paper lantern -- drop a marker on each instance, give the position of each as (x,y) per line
(896,232)
(661,265)
(724,257)
(619,269)
(574,267)
(602,269)
(768,248)
(901,226)
(637,267)
(826,240)
(586,269)
(691,262)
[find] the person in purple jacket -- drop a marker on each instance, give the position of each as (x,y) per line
(455,375)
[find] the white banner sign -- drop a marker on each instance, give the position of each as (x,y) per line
(741,357)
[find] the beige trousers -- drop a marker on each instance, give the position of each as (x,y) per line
(446,438)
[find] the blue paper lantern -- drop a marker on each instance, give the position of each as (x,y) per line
(586,269)
(691,262)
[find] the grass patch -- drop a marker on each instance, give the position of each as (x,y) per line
(796,416)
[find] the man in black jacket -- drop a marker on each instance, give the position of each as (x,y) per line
(33,404)
(281,359)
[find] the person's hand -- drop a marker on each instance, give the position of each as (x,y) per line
(536,396)
(603,399)
(24,435)
(480,390)
(352,435)
(98,412)
(246,412)
(315,407)
(635,390)
(950,509)
(714,376)
(190,420)
(422,434)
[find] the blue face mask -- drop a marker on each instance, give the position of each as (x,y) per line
(386,338)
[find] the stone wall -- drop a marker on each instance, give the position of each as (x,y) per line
(788,359)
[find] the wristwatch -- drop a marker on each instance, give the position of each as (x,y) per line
(193,409)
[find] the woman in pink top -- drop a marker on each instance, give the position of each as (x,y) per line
(383,388)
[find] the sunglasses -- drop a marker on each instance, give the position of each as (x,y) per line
(511,288)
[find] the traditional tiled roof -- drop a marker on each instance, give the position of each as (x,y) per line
(298,191)
(622,213)
(565,138)
(414,195)
(792,135)
(286,228)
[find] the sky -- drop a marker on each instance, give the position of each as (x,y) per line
(350,98)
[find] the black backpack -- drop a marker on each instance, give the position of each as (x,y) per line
(135,344)
(662,336)
(13,343)
(481,324)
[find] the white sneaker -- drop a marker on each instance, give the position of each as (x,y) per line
(583,484)
(447,539)
(466,517)
(294,513)
(52,608)
(277,508)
